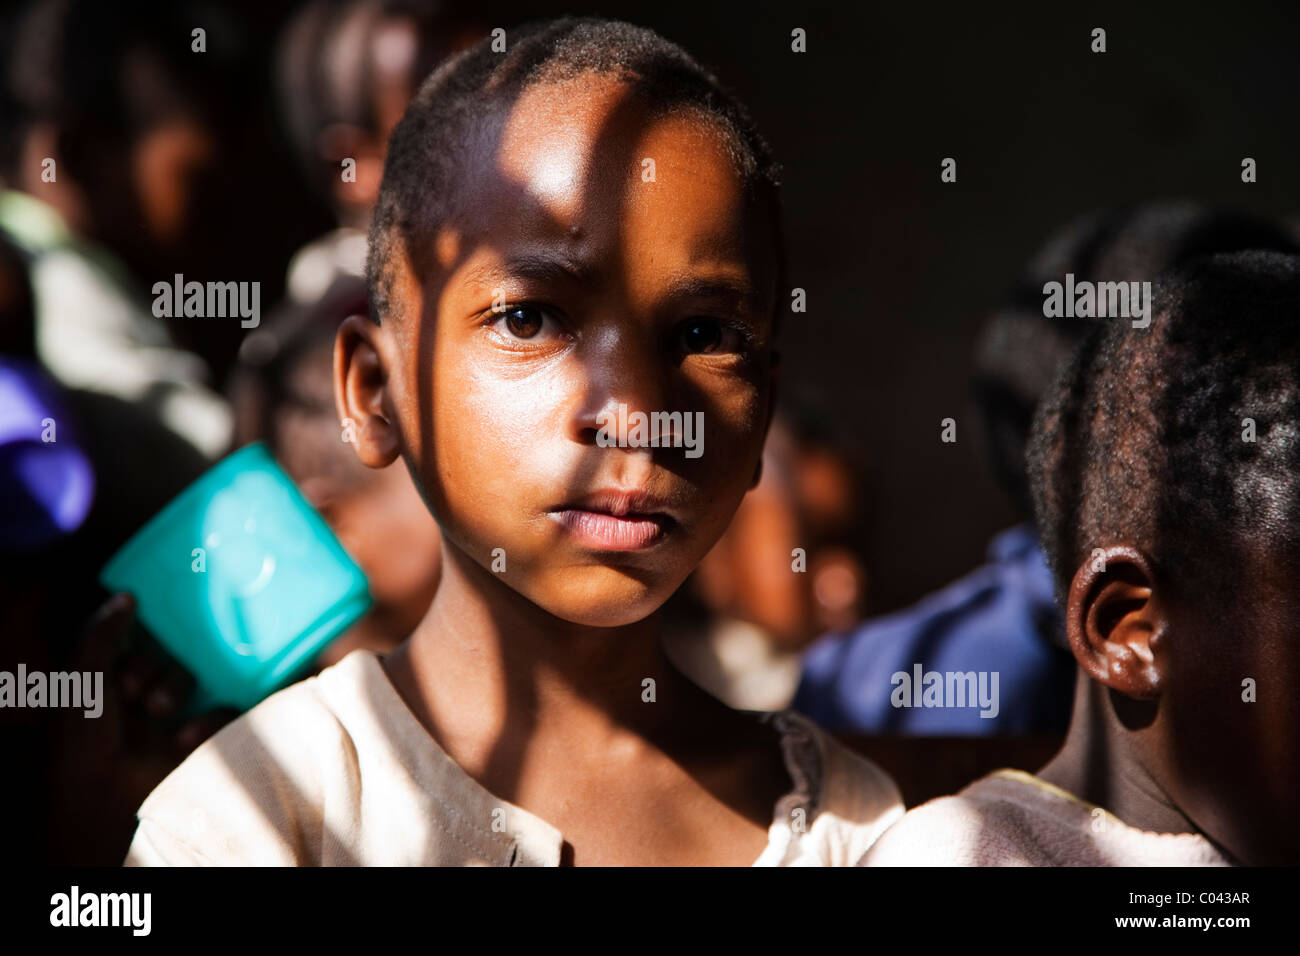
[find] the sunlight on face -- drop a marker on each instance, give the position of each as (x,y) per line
(581,285)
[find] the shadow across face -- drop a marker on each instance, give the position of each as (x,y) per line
(609,261)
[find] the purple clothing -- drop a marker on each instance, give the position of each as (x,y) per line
(46,480)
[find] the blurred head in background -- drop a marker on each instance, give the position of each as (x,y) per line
(804,510)
(1020,351)
(115,120)
(345,71)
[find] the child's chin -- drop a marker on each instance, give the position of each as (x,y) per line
(603,617)
(601,602)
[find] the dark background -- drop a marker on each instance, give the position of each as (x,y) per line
(898,266)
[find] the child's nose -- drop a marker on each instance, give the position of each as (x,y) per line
(624,374)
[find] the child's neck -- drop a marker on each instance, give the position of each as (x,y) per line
(495,679)
(563,721)
(1103,763)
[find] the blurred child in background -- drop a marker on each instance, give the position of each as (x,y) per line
(345,71)
(783,573)
(1165,471)
(283,392)
(112,134)
(1002,616)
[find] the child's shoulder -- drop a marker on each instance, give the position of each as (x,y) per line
(334,770)
(244,793)
(979,826)
(841,802)
(1013,818)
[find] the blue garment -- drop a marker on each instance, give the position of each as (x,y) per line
(47,482)
(999,618)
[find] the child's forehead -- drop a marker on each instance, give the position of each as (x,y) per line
(584,171)
(585,162)
(569,143)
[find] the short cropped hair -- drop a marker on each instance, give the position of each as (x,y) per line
(424,163)
(1146,437)
(1020,351)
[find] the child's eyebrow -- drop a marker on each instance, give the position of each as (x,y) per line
(737,290)
(541,268)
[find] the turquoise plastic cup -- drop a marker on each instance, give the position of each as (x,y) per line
(241,580)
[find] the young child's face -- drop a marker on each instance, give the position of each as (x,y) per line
(633,271)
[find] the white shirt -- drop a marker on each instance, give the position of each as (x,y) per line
(336,770)
(1013,818)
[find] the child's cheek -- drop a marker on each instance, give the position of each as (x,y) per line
(522,416)
(732,429)
(496,449)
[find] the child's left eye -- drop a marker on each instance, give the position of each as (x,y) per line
(707,336)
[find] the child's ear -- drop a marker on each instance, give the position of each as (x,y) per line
(366,416)
(1115,621)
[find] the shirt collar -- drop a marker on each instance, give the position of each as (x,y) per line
(508,835)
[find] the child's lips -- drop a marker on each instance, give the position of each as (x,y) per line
(608,532)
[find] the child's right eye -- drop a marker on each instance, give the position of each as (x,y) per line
(526,322)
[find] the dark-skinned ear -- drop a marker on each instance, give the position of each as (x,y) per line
(1116,623)
(366,417)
